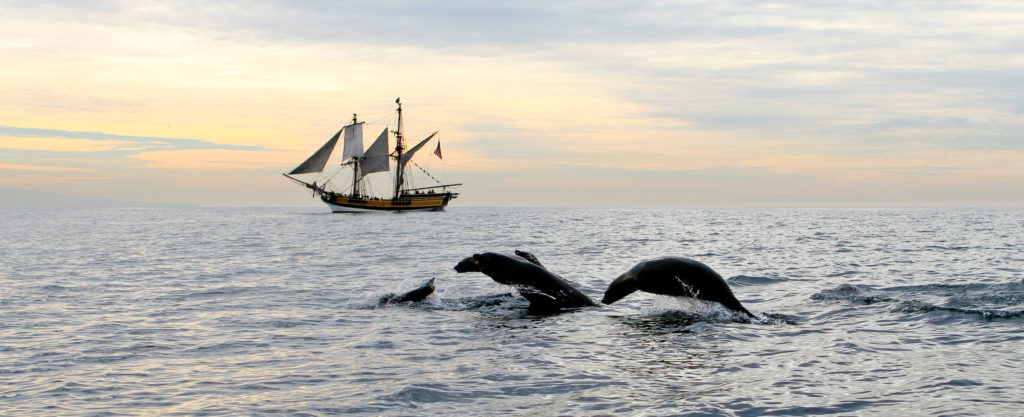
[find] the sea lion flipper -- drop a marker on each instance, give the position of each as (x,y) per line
(539,301)
(529,257)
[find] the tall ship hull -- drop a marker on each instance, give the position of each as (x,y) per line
(352,195)
(340,203)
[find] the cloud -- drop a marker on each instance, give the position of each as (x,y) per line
(53,156)
(13,137)
(778,68)
(830,91)
(36,180)
(65,144)
(216,159)
(18,167)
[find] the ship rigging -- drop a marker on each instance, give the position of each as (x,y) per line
(375,159)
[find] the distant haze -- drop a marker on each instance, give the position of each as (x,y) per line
(636,104)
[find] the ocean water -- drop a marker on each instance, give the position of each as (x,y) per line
(228,311)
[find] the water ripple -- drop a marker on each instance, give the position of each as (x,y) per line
(274,312)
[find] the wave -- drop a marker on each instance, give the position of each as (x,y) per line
(915,306)
(986,301)
(54,287)
(741,280)
(441,301)
(857,294)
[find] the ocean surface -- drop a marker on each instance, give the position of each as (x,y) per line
(274,311)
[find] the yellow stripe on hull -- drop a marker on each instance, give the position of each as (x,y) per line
(340,203)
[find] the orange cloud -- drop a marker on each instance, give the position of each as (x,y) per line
(17,167)
(220,159)
(31,179)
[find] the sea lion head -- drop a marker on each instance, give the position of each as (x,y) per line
(469,264)
(624,285)
(502,269)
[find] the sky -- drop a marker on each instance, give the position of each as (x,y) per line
(538,103)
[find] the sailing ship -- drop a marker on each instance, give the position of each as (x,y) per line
(375,159)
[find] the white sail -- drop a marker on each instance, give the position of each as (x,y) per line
(353,141)
(318,160)
(376,158)
(408,154)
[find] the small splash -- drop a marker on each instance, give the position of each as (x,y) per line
(774,319)
(452,299)
(384,301)
(701,310)
(912,306)
(495,302)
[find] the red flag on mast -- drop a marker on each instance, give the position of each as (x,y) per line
(437,151)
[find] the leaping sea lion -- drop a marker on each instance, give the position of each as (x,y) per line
(680,277)
(544,289)
(417,294)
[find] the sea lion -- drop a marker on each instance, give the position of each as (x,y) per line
(417,294)
(680,277)
(544,290)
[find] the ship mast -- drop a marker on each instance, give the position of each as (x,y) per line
(398,151)
(355,167)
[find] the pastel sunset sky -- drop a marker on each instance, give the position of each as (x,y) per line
(538,103)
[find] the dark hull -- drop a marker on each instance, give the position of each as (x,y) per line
(340,203)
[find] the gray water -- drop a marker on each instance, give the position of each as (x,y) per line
(209,311)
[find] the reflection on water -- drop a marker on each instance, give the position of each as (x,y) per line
(274,312)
